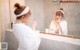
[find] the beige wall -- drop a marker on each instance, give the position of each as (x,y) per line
(0,21)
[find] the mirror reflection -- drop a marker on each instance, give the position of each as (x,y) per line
(58,25)
(71,16)
(54,16)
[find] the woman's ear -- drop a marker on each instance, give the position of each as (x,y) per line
(23,16)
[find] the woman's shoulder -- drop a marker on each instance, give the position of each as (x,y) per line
(64,21)
(21,25)
(52,22)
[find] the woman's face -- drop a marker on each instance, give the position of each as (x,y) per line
(25,19)
(59,17)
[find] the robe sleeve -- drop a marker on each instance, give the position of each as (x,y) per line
(64,28)
(51,25)
(28,39)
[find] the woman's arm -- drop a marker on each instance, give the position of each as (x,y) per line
(64,28)
(34,25)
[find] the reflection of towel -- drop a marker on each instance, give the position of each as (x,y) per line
(28,39)
(63,25)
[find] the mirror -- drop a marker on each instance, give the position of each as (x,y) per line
(71,14)
(43,11)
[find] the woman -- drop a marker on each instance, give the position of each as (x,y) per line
(27,37)
(59,25)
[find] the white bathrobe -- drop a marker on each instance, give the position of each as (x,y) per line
(63,25)
(28,39)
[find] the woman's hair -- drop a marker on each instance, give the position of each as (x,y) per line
(61,9)
(59,13)
(18,9)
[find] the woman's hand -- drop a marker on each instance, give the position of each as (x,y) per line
(57,31)
(34,24)
(58,20)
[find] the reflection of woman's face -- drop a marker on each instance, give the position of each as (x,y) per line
(59,17)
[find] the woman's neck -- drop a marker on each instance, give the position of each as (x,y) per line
(19,21)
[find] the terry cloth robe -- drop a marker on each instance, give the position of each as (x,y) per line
(28,39)
(63,25)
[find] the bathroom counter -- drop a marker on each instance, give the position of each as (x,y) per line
(61,38)
(56,38)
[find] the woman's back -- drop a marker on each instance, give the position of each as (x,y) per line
(28,39)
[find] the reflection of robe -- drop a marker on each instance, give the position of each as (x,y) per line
(28,39)
(63,26)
